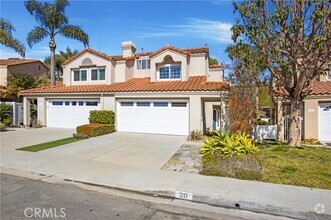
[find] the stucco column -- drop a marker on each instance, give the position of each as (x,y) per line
(280,115)
(41,111)
(26,112)
(195,113)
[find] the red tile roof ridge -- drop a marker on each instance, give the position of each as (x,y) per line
(194,83)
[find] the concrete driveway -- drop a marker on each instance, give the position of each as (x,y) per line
(22,137)
(123,149)
(129,149)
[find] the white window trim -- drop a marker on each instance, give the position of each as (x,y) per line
(169,79)
(98,74)
(80,75)
(141,63)
(89,75)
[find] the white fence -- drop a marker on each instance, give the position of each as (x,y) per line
(17,112)
(265,132)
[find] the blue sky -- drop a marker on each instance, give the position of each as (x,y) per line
(149,24)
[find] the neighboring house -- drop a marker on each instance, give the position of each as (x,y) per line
(316,111)
(13,66)
(169,91)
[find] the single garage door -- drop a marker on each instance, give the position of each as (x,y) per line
(157,117)
(69,113)
(324,128)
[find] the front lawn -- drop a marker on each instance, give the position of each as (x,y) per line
(44,146)
(310,166)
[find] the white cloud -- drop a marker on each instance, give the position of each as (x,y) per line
(211,30)
(5,54)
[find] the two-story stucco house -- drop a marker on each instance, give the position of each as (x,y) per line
(315,111)
(168,91)
(13,66)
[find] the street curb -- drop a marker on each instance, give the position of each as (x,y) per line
(203,199)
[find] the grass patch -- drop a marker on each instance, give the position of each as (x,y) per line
(47,145)
(282,164)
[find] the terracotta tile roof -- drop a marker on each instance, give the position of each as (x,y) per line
(138,55)
(17,61)
(318,88)
(195,83)
(103,55)
(321,88)
(218,66)
(185,52)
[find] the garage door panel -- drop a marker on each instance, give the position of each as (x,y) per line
(69,116)
(324,127)
(152,119)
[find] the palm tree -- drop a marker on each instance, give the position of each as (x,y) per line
(51,21)
(59,59)
(6,37)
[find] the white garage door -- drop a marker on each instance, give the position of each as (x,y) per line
(69,113)
(324,127)
(158,117)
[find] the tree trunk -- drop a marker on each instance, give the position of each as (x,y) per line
(294,131)
(52,46)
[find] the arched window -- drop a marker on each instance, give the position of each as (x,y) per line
(87,62)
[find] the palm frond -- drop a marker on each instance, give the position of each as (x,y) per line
(75,32)
(6,26)
(37,10)
(60,5)
(7,39)
(36,35)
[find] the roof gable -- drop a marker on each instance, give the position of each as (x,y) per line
(18,61)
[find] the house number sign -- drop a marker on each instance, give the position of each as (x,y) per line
(183,195)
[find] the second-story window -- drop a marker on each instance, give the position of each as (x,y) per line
(143,64)
(170,72)
(97,74)
(80,75)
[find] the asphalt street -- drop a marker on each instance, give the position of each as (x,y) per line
(23,198)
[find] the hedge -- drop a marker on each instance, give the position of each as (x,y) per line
(102,117)
(6,112)
(93,130)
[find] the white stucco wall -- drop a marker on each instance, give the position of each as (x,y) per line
(215,75)
(96,60)
(120,68)
(3,75)
(41,110)
(197,65)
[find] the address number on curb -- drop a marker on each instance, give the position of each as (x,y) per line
(183,195)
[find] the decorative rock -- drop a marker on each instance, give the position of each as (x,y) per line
(189,163)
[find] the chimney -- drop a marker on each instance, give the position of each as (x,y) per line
(128,49)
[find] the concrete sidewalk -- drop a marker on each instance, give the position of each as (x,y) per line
(290,201)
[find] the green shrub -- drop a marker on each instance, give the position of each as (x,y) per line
(224,145)
(195,135)
(2,127)
(93,130)
(36,124)
(6,112)
(7,121)
(102,117)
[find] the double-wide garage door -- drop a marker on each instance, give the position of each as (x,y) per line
(324,127)
(153,116)
(69,113)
